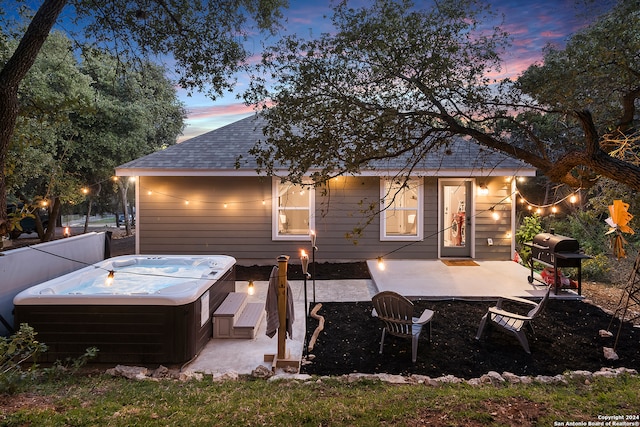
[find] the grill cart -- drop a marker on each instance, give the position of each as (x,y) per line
(555,251)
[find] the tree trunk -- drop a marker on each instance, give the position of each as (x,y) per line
(11,75)
(88,214)
(50,234)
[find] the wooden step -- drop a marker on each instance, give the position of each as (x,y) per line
(249,321)
(235,318)
(224,318)
(233,303)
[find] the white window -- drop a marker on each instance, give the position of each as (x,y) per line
(402,209)
(293,211)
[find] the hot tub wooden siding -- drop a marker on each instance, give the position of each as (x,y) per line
(126,334)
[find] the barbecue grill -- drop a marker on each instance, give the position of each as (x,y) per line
(556,251)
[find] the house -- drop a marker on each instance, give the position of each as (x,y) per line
(191,198)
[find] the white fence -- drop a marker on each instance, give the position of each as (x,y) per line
(24,267)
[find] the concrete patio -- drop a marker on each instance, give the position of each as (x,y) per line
(416,279)
(434,279)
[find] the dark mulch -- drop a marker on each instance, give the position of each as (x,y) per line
(566,339)
(321,271)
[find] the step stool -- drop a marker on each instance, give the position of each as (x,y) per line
(235,318)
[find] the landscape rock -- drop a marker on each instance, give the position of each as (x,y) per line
(190,375)
(130,372)
(511,378)
(225,376)
(262,372)
(286,376)
(609,353)
(492,377)
(160,372)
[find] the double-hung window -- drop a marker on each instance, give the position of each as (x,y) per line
(402,209)
(293,211)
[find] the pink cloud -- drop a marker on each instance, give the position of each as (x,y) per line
(203,112)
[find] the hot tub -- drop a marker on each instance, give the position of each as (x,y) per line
(156,310)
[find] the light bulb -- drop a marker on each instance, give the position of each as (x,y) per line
(251,288)
(109,280)
(380,263)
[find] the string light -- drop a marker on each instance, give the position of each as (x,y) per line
(109,279)
(571,198)
(482,190)
(251,288)
(494,214)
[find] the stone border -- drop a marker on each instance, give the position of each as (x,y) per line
(491,378)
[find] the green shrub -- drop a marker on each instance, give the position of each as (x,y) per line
(596,268)
(18,360)
(17,351)
(531,225)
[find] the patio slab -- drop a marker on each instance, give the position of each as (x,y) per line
(433,279)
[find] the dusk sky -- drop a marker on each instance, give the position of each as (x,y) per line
(531,24)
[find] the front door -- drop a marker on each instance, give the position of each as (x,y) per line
(455,222)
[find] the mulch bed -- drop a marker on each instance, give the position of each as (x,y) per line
(566,339)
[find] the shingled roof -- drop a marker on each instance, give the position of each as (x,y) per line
(216,153)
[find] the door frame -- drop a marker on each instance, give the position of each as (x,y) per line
(468,251)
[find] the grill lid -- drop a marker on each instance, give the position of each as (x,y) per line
(556,243)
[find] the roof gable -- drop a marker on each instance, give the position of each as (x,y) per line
(216,153)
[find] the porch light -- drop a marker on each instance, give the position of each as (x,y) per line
(483,190)
(251,288)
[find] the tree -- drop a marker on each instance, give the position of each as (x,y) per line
(397,81)
(136,113)
(78,121)
(54,93)
(204,37)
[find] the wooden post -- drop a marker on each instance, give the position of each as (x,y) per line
(282,359)
(282,306)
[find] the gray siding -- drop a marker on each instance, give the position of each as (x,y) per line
(487,227)
(167,225)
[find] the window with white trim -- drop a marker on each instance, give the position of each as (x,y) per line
(293,211)
(402,209)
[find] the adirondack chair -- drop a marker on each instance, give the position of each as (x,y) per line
(396,312)
(514,323)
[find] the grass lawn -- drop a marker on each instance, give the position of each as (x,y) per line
(102,400)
